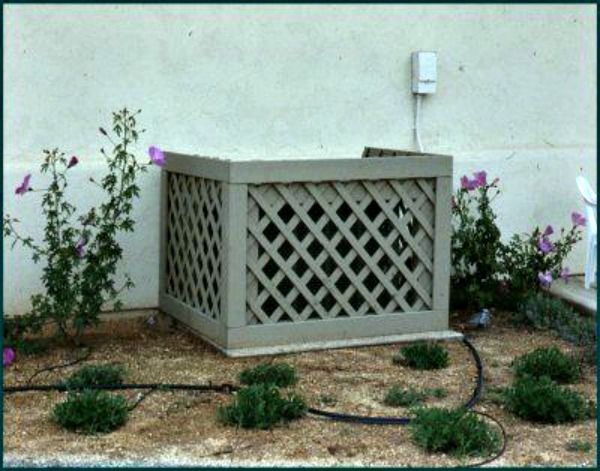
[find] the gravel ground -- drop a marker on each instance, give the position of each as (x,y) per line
(180,428)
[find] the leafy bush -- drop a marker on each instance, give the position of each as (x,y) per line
(550,362)
(454,431)
(542,400)
(278,374)
(488,272)
(92,412)
(94,375)
(261,406)
(397,397)
(475,243)
(533,261)
(422,356)
(80,252)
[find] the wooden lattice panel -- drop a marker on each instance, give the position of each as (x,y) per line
(339,249)
(194,242)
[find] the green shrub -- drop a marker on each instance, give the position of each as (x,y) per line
(454,431)
(92,412)
(528,267)
(261,406)
(548,361)
(94,375)
(398,397)
(475,243)
(579,446)
(542,400)
(278,374)
(422,356)
(80,250)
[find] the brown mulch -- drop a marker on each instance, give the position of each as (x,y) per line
(183,424)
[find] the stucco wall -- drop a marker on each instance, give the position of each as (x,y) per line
(516,96)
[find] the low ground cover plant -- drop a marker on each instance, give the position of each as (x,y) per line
(278,374)
(540,311)
(261,406)
(94,375)
(92,412)
(438,393)
(457,432)
(580,446)
(544,401)
(550,362)
(422,356)
(398,397)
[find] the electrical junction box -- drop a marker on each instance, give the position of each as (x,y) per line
(424,72)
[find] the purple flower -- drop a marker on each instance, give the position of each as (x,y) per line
(74,161)
(24,186)
(564,274)
(545,245)
(467,184)
(80,247)
(578,219)
(548,231)
(545,279)
(8,356)
(480,178)
(157,156)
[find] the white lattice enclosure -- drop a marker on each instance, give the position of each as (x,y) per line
(299,254)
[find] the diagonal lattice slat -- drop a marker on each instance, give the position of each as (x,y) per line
(194,242)
(339,249)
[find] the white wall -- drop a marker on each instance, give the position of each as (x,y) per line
(516,96)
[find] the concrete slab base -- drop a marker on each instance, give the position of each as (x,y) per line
(331,344)
(574,292)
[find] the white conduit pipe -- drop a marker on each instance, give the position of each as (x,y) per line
(417,119)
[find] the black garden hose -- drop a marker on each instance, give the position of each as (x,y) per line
(223,388)
(229,388)
(370,420)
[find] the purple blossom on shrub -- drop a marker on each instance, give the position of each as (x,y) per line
(545,245)
(8,356)
(74,161)
(468,184)
(24,186)
(578,219)
(157,156)
(80,247)
(548,231)
(564,274)
(545,279)
(480,178)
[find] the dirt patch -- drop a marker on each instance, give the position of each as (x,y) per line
(183,425)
